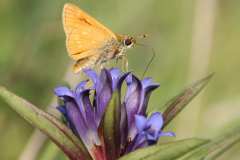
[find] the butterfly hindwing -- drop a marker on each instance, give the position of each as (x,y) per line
(84,63)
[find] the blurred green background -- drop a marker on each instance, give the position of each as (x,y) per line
(191,38)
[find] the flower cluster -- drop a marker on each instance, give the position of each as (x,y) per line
(84,110)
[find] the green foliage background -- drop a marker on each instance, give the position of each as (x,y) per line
(33,59)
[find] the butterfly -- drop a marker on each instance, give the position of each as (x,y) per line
(89,42)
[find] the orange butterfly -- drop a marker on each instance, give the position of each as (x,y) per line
(88,41)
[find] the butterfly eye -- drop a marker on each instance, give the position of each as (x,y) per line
(128,42)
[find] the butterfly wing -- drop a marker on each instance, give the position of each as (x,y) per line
(85,35)
(84,62)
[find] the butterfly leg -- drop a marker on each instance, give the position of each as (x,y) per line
(124,63)
(117,60)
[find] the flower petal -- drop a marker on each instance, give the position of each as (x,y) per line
(89,112)
(148,87)
(133,99)
(69,123)
(62,91)
(121,80)
(148,82)
(80,87)
(138,142)
(103,93)
(141,122)
(169,134)
(151,137)
(115,74)
(76,120)
(62,109)
(155,123)
(123,126)
(92,75)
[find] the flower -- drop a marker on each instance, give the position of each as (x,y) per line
(149,130)
(86,112)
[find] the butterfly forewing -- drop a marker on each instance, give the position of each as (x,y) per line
(80,46)
(85,35)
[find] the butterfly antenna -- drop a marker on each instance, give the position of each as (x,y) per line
(150,61)
(141,36)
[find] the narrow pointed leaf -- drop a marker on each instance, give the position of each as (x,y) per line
(212,150)
(48,124)
(177,104)
(111,127)
(167,151)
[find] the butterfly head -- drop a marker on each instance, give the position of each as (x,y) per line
(127,41)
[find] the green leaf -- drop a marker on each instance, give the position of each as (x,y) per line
(177,104)
(48,124)
(215,148)
(167,151)
(111,126)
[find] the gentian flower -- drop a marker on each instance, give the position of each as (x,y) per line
(85,112)
(149,130)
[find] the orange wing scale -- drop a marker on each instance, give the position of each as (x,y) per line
(85,35)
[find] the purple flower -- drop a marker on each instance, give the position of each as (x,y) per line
(149,130)
(84,110)
(136,100)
